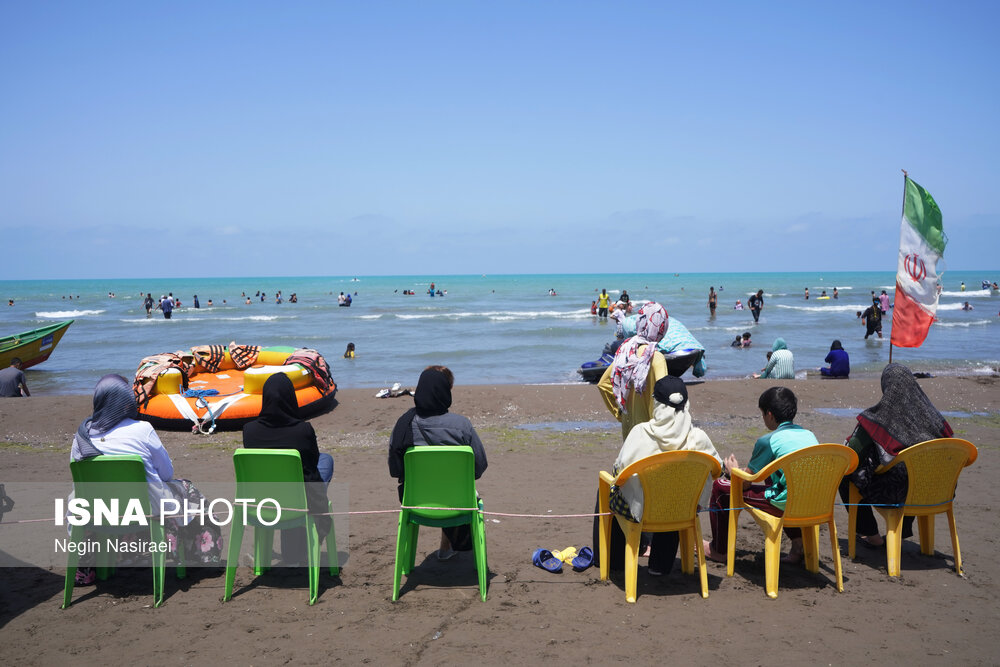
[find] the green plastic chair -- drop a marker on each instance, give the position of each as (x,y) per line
(272,473)
(439,477)
(123,478)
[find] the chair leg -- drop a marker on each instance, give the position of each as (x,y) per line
(772,560)
(411,547)
(263,549)
(604,550)
(837,566)
(479,544)
(159,558)
(72,561)
(312,539)
(402,535)
(331,546)
(893,539)
(633,533)
(925,524)
(954,540)
(700,547)
(810,547)
(232,558)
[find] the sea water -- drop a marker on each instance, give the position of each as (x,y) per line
(490,329)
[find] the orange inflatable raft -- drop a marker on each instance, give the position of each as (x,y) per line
(207,389)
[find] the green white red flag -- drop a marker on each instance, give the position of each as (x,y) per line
(921,245)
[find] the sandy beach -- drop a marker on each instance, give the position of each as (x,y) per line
(929,615)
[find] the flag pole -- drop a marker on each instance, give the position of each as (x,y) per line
(902,213)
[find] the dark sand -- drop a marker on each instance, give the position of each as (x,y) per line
(929,615)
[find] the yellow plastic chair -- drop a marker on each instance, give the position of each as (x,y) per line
(932,468)
(813,475)
(671,485)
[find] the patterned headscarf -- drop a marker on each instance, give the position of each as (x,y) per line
(630,369)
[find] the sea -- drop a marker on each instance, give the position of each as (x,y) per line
(489,329)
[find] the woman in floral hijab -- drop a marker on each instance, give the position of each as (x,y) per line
(637,365)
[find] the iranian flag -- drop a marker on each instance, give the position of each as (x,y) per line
(921,245)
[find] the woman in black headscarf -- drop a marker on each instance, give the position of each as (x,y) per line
(427,424)
(902,418)
(279,427)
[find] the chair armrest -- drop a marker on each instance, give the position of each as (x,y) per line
(606,477)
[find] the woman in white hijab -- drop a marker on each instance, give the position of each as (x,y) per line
(669,430)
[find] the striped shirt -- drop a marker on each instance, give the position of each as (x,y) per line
(781,366)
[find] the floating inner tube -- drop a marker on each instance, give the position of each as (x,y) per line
(235,395)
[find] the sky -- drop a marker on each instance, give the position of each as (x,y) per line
(384,138)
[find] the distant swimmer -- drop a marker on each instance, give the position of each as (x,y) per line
(739,305)
(756,304)
(963,287)
(713,300)
(593,307)
(836,294)
(147,304)
(552,292)
(807,294)
(349,353)
(967,306)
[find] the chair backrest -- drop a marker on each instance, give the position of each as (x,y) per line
(933,467)
(121,477)
(671,483)
(812,476)
(439,477)
(274,474)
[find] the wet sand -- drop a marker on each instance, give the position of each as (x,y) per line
(929,615)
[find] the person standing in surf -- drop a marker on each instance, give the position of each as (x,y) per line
(756,304)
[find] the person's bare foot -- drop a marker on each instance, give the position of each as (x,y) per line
(711,554)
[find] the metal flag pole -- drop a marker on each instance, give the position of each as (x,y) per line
(896,295)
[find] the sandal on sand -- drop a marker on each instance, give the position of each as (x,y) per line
(583,560)
(544,559)
(871,541)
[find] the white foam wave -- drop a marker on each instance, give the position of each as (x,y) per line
(974,323)
(63,314)
(971,294)
(496,315)
(831,307)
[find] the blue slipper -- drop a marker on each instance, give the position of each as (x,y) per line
(544,559)
(584,559)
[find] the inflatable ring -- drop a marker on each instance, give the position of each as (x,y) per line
(227,398)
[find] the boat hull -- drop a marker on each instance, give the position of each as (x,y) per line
(32,347)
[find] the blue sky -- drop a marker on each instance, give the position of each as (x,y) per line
(313,138)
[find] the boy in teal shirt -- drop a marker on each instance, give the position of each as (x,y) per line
(778,407)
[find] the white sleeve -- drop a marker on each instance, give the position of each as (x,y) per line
(161,460)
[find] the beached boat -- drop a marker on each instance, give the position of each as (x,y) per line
(220,387)
(32,347)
